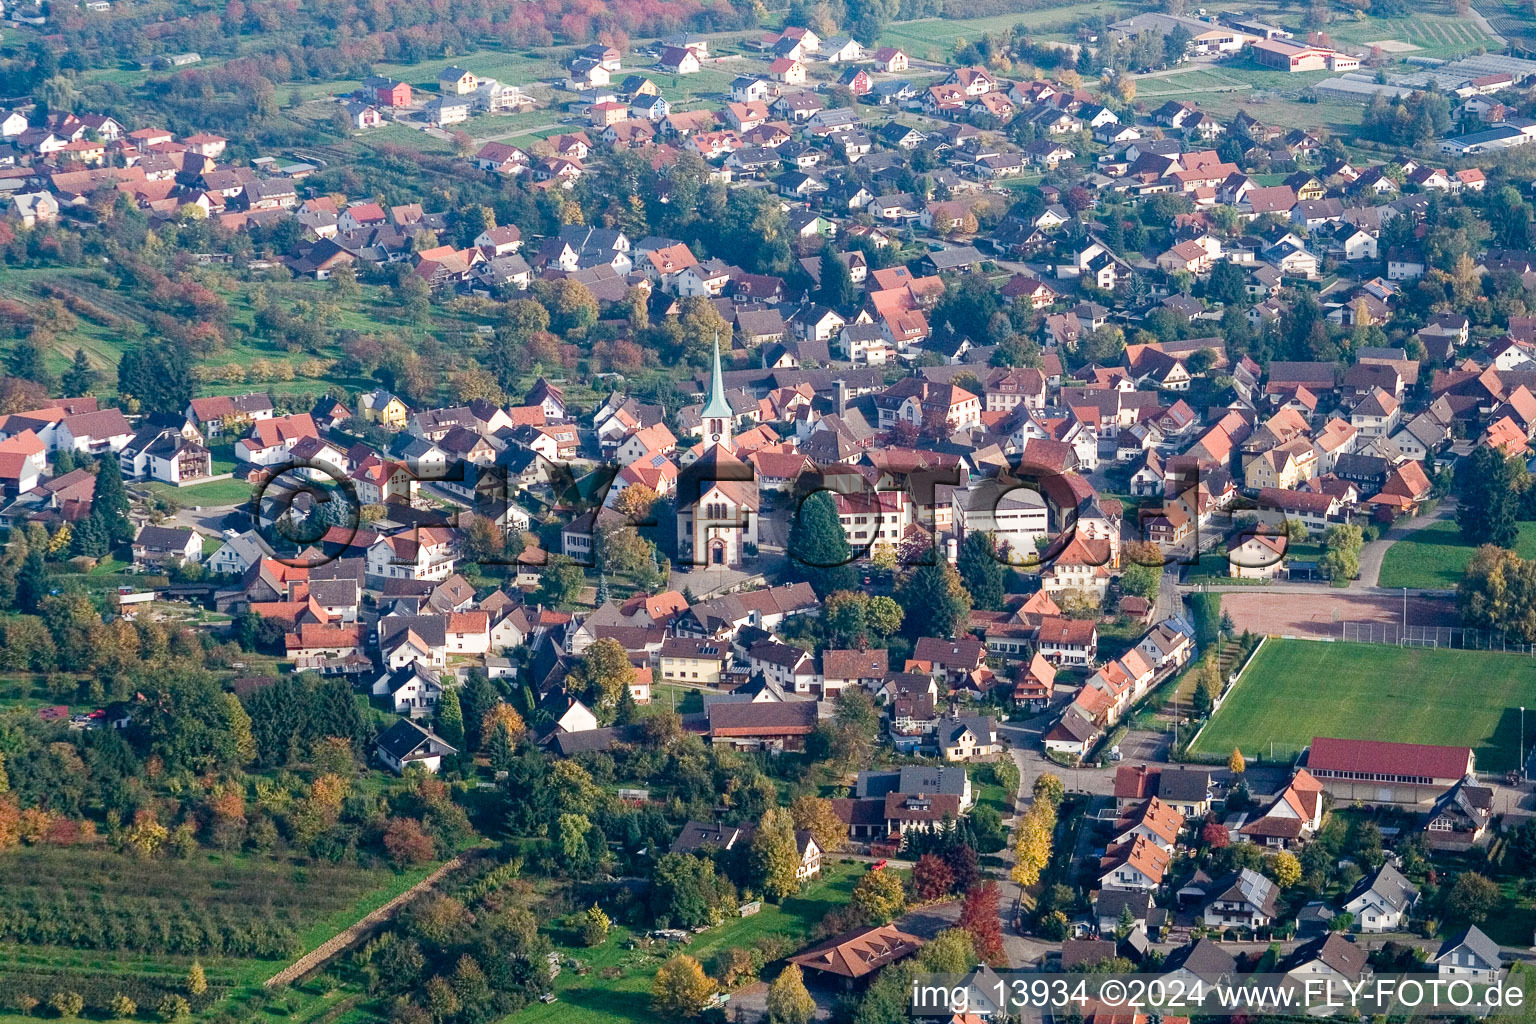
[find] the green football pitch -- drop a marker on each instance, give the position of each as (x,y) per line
(1294,690)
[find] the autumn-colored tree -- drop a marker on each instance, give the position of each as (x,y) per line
(1235,764)
(814,814)
(1285,869)
(635,503)
(1032,850)
(1048,787)
(879,896)
(197,981)
(1216,835)
(775,856)
(931,878)
(979,917)
(500,716)
(595,926)
(406,844)
(681,987)
(788,1000)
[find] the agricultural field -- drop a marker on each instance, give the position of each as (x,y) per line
(935,38)
(1436,557)
(99,923)
(1294,690)
(1431,34)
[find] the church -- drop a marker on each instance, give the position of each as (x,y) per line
(717,499)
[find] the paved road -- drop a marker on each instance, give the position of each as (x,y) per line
(1374,553)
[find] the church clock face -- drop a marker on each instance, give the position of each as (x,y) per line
(715,436)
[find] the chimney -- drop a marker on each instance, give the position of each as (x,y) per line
(842,397)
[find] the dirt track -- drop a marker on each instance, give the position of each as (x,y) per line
(1320,614)
(349,937)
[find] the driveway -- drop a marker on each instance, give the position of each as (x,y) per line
(1374,553)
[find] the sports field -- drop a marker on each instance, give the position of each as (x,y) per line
(1297,689)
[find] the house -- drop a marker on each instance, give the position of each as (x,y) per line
(33,208)
(1259,555)
(1382,902)
(965,737)
(385,409)
(455,81)
(772,727)
(1469,955)
(891,59)
(159,545)
(94,433)
(1136,865)
(1245,899)
(414,690)
(680,61)
(405,744)
(1459,820)
(1326,967)
(1294,816)
(228,414)
(1153,820)
(1068,642)
(1202,963)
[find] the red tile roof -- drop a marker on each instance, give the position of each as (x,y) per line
(1380,757)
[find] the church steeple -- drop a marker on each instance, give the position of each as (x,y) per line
(717,414)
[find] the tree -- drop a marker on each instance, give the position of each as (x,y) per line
(931,878)
(1285,869)
(775,855)
(1216,835)
(66,1004)
(406,844)
(1142,578)
(1032,848)
(159,375)
(1472,898)
(1341,557)
(1235,764)
(934,601)
(197,981)
(681,987)
(815,814)
(595,926)
(174,1008)
(80,378)
(450,718)
(109,503)
(836,289)
(122,1007)
(561,582)
(1486,505)
(979,918)
(788,1000)
(879,897)
(818,548)
(982,571)
(604,674)
(1050,788)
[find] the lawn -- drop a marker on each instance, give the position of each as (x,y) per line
(215,492)
(1436,557)
(593,999)
(1401,694)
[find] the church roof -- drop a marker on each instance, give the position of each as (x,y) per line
(717,407)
